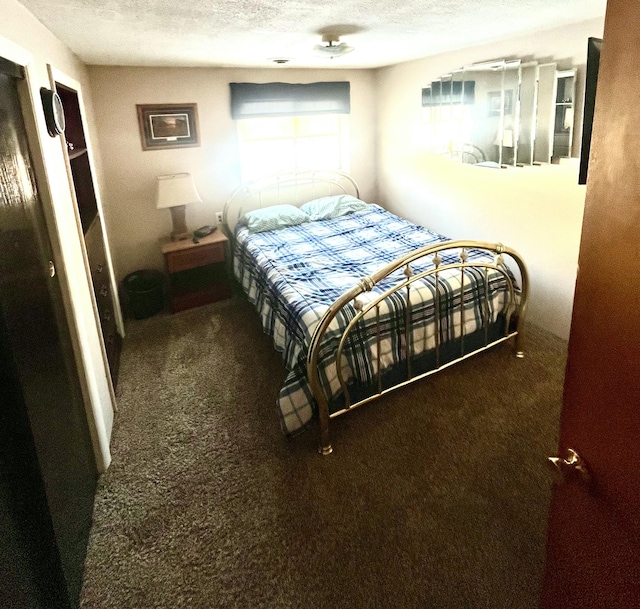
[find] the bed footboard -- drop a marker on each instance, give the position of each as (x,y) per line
(433,268)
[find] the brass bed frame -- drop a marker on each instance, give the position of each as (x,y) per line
(298,187)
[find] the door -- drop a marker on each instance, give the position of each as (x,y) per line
(593,552)
(47,468)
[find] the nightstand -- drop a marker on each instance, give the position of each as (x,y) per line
(196,272)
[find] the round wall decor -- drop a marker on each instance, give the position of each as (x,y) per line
(53,111)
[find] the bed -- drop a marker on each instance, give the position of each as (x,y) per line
(359,301)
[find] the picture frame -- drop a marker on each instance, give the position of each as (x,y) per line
(495,99)
(165,126)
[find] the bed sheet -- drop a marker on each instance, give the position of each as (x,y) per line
(293,275)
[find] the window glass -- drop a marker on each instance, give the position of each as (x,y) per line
(266,128)
(318,124)
(268,145)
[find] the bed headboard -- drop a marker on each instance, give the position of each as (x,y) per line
(289,187)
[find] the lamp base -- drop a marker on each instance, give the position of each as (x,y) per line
(179,236)
(179,231)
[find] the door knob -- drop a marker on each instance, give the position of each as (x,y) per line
(572,466)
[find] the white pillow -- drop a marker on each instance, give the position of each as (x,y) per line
(273,217)
(327,208)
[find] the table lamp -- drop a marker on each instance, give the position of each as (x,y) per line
(175,191)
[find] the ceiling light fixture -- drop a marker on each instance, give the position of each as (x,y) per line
(333,48)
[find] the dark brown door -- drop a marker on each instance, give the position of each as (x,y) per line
(47,467)
(593,555)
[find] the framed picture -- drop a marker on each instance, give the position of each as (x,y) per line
(494,102)
(168,126)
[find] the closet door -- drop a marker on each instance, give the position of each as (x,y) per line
(47,467)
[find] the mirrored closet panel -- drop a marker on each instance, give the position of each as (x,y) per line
(501,113)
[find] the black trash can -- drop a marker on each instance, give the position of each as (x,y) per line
(144,293)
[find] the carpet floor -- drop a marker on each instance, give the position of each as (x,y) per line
(436,496)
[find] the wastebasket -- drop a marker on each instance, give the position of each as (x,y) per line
(144,293)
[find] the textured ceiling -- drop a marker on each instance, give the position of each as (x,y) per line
(252,32)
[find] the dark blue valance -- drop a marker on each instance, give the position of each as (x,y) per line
(449,92)
(249,100)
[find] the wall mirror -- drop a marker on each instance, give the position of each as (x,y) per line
(563,116)
(501,113)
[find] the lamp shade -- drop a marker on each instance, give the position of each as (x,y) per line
(176,189)
(507,139)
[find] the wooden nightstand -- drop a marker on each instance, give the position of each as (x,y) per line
(196,272)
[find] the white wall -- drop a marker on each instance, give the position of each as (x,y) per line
(535,210)
(24,40)
(135,225)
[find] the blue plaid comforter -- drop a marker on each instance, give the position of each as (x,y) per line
(293,275)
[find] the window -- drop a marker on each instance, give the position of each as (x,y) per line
(269,145)
(447,110)
(287,126)
(448,126)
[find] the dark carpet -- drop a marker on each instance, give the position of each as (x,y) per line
(436,496)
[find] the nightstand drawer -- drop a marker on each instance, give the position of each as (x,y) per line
(198,256)
(197,273)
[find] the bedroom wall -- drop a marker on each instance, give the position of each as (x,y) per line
(24,40)
(535,210)
(135,225)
